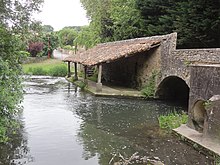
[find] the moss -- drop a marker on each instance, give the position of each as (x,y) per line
(149,89)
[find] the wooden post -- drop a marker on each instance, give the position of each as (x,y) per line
(69,73)
(99,82)
(76,74)
(85,75)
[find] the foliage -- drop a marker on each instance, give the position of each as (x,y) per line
(17,14)
(60,71)
(35,48)
(126,20)
(49,67)
(87,37)
(47,28)
(50,41)
(123,19)
(172,120)
(149,89)
(68,47)
(10,81)
(80,84)
(67,36)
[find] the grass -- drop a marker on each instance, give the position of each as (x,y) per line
(172,120)
(50,67)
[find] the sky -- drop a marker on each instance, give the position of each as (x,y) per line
(61,13)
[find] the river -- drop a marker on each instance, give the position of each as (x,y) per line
(62,125)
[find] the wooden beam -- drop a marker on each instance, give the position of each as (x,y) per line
(68,72)
(76,74)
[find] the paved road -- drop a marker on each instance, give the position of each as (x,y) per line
(59,55)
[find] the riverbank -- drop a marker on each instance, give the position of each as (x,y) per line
(49,67)
(108,91)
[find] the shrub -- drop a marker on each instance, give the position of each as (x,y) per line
(59,71)
(149,88)
(35,48)
(37,71)
(68,47)
(172,120)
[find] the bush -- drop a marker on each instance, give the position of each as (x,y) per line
(37,71)
(59,71)
(35,48)
(172,120)
(150,87)
(68,47)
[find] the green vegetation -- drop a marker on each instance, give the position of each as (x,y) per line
(207,104)
(51,67)
(67,36)
(68,47)
(13,51)
(172,120)
(149,89)
(80,84)
(124,19)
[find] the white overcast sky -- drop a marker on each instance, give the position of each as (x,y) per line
(61,13)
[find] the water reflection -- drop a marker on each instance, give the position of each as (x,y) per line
(64,125)
(15,151)
(126,126)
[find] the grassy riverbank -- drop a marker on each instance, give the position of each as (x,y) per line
(50,67)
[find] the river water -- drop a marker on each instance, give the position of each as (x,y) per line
(62,125)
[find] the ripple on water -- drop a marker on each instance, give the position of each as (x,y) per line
(64,125)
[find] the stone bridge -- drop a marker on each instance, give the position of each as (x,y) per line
(174,79)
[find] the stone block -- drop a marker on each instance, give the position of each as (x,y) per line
(98,87)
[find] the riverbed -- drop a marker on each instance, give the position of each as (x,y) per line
(63,125)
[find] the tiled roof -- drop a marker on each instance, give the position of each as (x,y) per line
(109,52)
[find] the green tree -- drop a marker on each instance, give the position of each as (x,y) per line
(17,14)
(196,21)
(47,28)
(67,36)
(126,18)
(86,37)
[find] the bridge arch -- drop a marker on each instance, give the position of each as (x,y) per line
(173,89)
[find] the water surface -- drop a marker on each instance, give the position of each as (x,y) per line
(63,125)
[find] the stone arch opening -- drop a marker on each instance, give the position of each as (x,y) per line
(173,89)
(199,115)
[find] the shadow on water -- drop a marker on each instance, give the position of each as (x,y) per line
(77,128)
(15,151)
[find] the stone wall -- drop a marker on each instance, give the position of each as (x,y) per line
(204,110)
(133,71)
(175,62)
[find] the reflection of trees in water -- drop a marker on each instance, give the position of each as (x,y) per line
(125,126)
(15,151)
(106,126)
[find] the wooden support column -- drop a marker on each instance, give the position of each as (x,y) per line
(85,75)
(76,74)
(68,72)
(99,82)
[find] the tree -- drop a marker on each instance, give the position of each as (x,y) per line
(17,14)
(47,28)
(127,22)
(196,21)
(86,37)
(67,36)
